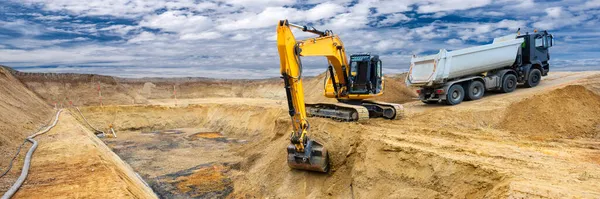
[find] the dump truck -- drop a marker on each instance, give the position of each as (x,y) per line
(453,76)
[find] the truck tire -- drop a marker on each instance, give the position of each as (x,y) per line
(455,95)
(534,78)
(475,90)
(509,83)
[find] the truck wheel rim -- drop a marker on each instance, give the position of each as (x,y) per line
(476,91)
(455,95)
(535,78)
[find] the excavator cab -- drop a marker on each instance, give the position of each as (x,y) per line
(365,74)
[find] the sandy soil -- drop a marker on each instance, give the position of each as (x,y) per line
(505,145)
(22,113)
(71,162)
(533,143)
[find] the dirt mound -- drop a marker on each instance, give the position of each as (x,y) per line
(22,113)
(572,111)
(395,90)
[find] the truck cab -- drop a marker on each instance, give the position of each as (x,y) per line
(534,50)
(365,74)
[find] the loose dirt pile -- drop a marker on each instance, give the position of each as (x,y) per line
(572,111)
(395,90)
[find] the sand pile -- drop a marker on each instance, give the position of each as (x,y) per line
(572,111)
(395,90)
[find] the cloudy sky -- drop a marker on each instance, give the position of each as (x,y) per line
(236,38)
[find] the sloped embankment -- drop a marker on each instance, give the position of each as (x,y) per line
(69,161)
(22,113)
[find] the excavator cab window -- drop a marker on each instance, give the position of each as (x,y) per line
(359,75)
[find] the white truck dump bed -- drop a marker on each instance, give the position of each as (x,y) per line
(434,69)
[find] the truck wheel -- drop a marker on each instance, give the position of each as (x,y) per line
(455,95)
(475,90)
(534,78)
(509,83)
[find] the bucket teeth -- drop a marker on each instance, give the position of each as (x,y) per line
(314,157)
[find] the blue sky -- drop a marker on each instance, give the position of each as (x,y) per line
(236,38)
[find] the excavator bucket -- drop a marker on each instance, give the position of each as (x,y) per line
(314,157)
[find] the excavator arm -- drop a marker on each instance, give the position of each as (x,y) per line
(303,152)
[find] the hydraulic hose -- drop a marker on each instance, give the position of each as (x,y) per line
(88,123)
(27,162)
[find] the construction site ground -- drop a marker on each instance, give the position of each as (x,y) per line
(541,142)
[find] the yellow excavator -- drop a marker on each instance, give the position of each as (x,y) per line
(351,84)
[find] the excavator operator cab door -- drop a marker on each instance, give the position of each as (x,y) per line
(365,74)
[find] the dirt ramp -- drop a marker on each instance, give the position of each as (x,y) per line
(569,112)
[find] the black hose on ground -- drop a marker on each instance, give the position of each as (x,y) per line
(13,159)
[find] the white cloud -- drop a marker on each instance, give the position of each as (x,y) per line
(177,21)
(588,5)
(450,5)
(385,45)
(23,27)
(271,15)
(143,37)
(323,11)
(454,41)
(119,29)
(556,18)
(240,37)
(510,24)
(394,18)
(494,13)
(199,36)
(267,18)
(52,17)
